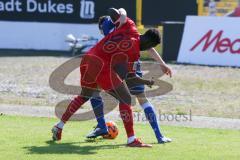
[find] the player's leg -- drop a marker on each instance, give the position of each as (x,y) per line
(97,105)
(122,94)
(113,84)
(73,106)
(90,67)
(151,116)
(138,91)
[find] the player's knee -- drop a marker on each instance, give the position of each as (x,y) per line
(125,99)
(147,105)
(96,101)
(87,93)
(142,99)
(128,99)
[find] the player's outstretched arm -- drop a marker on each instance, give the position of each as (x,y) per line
(154,54)
(134,80)
(165,68)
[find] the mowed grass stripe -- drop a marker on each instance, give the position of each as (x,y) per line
(29,138)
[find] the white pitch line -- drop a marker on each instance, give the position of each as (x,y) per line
(196,121)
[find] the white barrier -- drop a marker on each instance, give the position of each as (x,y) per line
(42,36)
(211,41)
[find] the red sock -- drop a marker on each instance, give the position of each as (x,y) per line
(127,117)
(75,104)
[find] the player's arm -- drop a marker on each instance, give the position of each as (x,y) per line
(118,16)
(123,15)
(134,80)
(165,68)
(123,72)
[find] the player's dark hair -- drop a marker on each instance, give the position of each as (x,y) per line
(154,35)
(149,39)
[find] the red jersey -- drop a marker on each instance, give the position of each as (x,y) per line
(121,45)
(124,40)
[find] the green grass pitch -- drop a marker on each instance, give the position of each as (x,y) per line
(25,138)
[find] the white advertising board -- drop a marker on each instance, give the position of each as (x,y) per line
(211,41)
(42,36)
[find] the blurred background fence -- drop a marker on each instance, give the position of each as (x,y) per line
(40,26)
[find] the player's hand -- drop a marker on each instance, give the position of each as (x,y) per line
(150,83)
(166,69)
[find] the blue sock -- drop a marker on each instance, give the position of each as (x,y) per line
(97,105)
(151,116)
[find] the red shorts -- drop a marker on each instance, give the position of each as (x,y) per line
(95,74)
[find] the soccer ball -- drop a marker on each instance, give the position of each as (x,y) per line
(112,130)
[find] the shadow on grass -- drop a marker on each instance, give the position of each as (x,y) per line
(69,148)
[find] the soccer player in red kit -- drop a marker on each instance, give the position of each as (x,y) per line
(99,69)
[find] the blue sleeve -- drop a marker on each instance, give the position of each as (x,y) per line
(107,26)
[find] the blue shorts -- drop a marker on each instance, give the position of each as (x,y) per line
(137,89)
